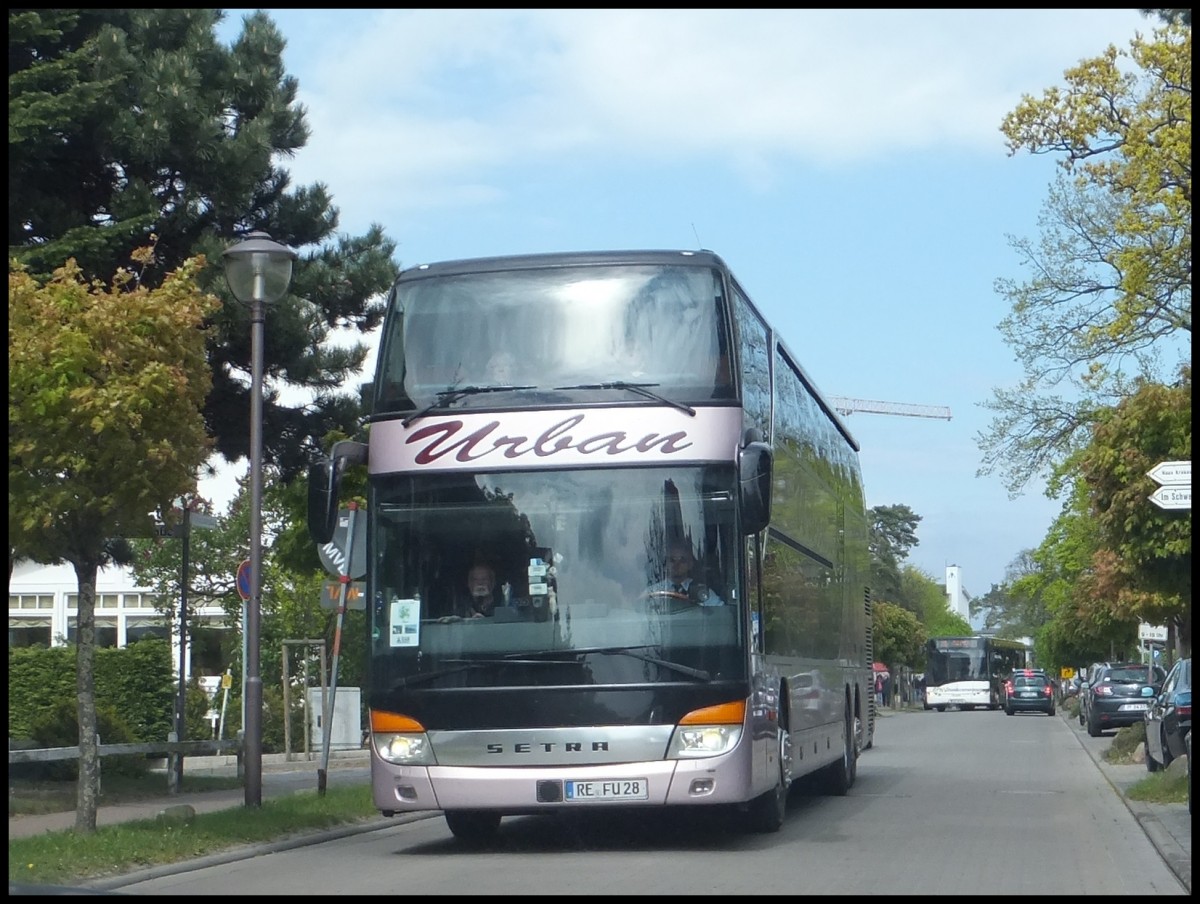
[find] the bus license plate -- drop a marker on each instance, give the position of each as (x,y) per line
(610,789)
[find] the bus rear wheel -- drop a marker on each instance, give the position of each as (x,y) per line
(474,826)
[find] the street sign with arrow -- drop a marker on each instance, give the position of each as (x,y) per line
(1175,478)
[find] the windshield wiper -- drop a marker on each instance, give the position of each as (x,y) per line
(664,663)
(448,397)
(642,389)
(426,677)
(466,665)
(611,651)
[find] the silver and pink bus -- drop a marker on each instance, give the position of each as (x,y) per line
(587,427)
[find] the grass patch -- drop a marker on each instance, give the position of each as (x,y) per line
(1156,787)
(1160,788)
(66,858)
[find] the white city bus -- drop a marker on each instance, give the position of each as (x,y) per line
(968,672)
(645,403)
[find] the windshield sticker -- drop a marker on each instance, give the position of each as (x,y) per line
(405,622)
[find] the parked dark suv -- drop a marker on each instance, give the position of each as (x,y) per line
(1118,694)
(1028,690)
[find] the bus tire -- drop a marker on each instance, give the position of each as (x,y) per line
(765,814)
(940,709)
(474,826)
(837,779)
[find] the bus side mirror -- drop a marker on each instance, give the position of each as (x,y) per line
(754,480)
(324,482)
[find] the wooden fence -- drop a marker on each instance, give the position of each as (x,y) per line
(169,749)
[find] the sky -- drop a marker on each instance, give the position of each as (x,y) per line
(848,165)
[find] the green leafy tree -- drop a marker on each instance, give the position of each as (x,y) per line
(1082,626)
(1181,16)
(1109,299)
(893,535)
(127,122)
(898,636)
(106,386)
(933,607)
(1144,562)
(1011,612)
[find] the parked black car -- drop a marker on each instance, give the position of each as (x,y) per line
(1118,694)
(1169,718)
(1028,690)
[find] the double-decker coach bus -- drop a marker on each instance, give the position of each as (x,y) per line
(968,672)
(580,425)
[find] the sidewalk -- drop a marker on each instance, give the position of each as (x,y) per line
(280,776)
(1168,826)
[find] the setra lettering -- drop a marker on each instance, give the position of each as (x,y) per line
(547,747)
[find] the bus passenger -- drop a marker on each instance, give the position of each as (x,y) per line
(501,368)
(679,582)
(481,592)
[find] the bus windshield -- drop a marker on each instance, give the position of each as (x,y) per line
(963,661)
(587,333)
(575,571)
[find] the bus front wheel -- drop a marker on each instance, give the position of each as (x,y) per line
(766,812)
(474,826)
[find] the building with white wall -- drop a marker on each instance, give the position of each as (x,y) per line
(956,594)
(43,609)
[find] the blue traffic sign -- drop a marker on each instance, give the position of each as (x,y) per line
(243,580)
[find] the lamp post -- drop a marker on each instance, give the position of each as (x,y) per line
(259,272)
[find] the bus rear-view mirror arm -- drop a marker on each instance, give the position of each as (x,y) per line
(324,482)
(754,478)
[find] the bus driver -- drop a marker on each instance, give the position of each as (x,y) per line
(680,583)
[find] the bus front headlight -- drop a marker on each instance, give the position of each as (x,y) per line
(403,749)
(704,740)
(710,731)
(400,739)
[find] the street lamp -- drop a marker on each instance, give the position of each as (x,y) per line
(259,272)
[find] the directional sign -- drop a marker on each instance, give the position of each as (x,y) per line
(1173,497)
(1170,473)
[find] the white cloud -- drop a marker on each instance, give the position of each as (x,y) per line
(429,101)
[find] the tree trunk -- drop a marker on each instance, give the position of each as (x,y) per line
(87,798)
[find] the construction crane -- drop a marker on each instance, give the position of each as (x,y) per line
(849,406)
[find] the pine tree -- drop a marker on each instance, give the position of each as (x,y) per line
(128,124)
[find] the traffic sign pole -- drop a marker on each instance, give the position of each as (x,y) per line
(243,589)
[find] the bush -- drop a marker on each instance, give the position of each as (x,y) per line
(58,726)
(1126,743)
